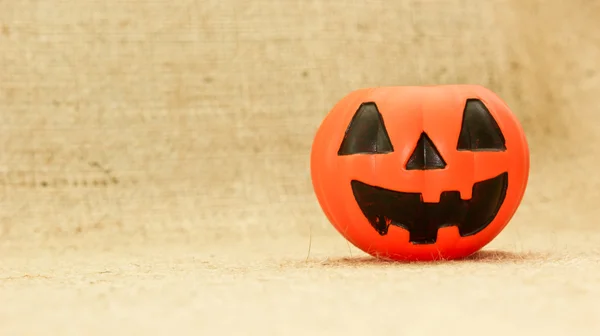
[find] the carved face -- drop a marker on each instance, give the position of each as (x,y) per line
(420,173)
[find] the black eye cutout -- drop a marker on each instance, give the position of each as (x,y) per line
(479,131)
(366,133)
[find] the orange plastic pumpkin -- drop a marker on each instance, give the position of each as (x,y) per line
(420,173)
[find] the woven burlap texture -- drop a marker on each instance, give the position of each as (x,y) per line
(189,123)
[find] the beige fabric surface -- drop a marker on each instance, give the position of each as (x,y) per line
(154,166)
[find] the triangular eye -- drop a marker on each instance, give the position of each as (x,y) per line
(479,131)
(366,133)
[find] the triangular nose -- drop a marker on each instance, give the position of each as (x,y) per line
(425,156)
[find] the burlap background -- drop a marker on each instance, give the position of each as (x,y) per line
(152,132)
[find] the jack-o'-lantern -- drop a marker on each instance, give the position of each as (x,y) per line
(421,172)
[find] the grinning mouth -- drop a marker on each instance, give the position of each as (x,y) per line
(383,207)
